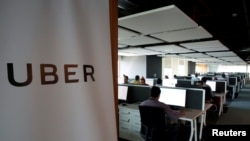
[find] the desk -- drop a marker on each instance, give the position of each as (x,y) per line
(233,90)
(191,115)
(222,100)
(203,118)
(204,112)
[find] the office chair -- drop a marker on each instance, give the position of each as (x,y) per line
(153,123)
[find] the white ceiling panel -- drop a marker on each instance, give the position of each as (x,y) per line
(122,46)
(169,49)
(221,48)
(167,18)
(211,59)
(124,33)
(232,59)
(222,54)
(139,40)
(183,35)
(180,51)
(195,55)
(136,52)
(169,56)
(225,63)
(204,44)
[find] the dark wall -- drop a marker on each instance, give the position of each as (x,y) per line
(154,67)
(191,67)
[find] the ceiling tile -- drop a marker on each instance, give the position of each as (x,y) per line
(204,44)
(124,33)
(167,18)
(136,52)
(222,54)
(183,34)
(169,49)
(139,40)
(232,59)
(221,48)
(195,55)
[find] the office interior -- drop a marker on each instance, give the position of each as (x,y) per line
(182,45)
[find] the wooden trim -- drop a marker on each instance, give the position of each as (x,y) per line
(114,50)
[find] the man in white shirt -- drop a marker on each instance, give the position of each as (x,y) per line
(195,78)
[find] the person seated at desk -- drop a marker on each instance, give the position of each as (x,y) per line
(158,82)
(223,75)
(209,96)
(154,102)
(125,79)
(143,81)
(170,113)
(137,80)
(195,78)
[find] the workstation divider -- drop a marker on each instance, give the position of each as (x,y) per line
(231,86)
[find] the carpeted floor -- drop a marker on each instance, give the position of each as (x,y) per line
(238,109)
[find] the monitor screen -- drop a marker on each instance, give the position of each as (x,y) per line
(150,82)
(169,82)
(122,92)
(232,81)
(212,84)
(174,97)
(221,86)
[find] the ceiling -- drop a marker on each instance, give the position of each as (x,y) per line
(203,31)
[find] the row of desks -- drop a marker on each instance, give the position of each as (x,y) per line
(222,97)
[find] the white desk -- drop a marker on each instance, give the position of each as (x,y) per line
(207,106)
(233,90)
(191,115)
(203,118)
(222,100)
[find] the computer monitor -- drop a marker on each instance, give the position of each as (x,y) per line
(122,93)
(212,84)
(232,80)
(149,81)
(221,86)
(173,97)
(169,82)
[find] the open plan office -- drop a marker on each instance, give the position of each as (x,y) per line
(183,94)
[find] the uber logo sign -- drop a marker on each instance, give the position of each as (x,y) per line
(88,74)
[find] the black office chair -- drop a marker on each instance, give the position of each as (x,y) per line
(153,123)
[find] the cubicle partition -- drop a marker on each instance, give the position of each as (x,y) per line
(221,86)
(232,86)
(183,83)
(137,93)
(232,81)
(195,98)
